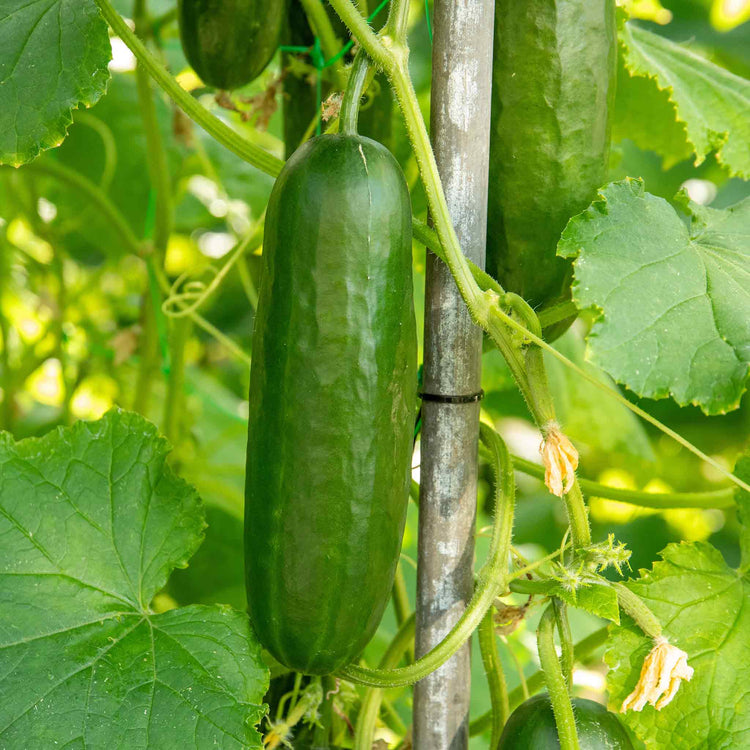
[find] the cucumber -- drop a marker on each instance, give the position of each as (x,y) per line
(554,71)
(228,43)
(532,727)
(332,403)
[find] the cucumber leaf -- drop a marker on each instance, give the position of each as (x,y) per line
(711,102)
(53,59)
(673,301)
(599,599)
(93,521)
(704,606)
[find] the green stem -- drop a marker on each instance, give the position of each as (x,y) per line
(634,606)
(566,639)
(321,26)
(555,681)
(578,517)
(361,30)
(495,678)
(157,163)
(557,313)
(397,24)
(174,401)
(109,144)
(535,682)
(148,354)
(322,734)
(213,125)
(400,597)
(491,581)
(370,706)
(353,95)
(723,498)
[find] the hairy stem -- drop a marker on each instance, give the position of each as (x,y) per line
(535,682)
(566,639)
(711,499)
(555,681)
(353,95)
(495,678)
(635,607)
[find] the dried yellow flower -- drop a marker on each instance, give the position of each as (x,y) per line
(661,673)
(560,459)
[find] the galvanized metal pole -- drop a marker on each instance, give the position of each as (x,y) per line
(461,84)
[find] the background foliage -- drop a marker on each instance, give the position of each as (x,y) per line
(84,327)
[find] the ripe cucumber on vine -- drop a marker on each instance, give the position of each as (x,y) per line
(553,86)
(332,399)
(270,633)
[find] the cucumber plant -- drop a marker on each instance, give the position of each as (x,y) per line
(241,593)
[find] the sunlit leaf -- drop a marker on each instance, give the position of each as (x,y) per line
(53,59)
(673,301)
(712,102)
(92,522)
(704,606)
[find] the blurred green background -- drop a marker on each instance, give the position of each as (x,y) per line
(82,327)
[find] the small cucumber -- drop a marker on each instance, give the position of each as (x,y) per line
(229,42)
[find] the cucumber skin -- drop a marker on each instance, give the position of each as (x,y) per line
(332,403)
(532,727)
(554,74)
(228,43)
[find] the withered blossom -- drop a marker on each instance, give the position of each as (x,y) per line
(661,673)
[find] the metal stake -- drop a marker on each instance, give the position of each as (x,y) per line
(461,85)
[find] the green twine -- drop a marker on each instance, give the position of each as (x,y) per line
(427,16)
(320,63)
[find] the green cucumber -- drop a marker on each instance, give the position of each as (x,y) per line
(332,403)
(553,84)
(228,43)
(532,727)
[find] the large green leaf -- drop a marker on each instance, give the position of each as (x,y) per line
(92,522)
(673,300)
(704,606)
(53,58)
(712,102)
